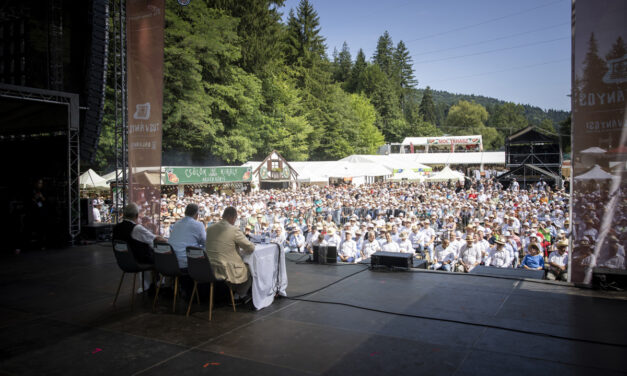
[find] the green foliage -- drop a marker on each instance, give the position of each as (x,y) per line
(384,54)
(427,108)
(470,118)
(508,118)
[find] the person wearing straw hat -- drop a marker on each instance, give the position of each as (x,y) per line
(499,256)
(297,241)
(557,268)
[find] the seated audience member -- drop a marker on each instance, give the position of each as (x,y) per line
(615,260)
(390,245)
(533,261)
(277,236)
(297,241)
(444,256)
(469,256)
(188,232)
(347,251)
(371,245)
(138,238)
(405,245)
(558,262)
(498,256)
(224,241)
(332,239)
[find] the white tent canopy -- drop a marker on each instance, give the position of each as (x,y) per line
(445,175)
(90,179)
(321,171)
(593,150)
(388,161)
(595,173)
(407,175)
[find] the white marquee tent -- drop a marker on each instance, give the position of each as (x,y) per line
(91,180)
(595,173)
(445,175)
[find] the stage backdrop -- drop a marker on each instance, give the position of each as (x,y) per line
(599,80)
(144,35)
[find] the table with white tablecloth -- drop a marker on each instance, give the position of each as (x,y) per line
(267,267)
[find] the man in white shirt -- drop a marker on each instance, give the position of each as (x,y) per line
(332,239)
(297,241)
(428,238)
(499,257)
(404,244)
(444,256)
(558,263)
(469,256)
(347,251)
(371,245)
(390,245)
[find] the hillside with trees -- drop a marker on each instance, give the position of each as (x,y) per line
(239,82)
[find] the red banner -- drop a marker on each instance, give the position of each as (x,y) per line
(599,83)
(144,35)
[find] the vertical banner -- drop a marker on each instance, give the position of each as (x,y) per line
(144,36)
(599,154)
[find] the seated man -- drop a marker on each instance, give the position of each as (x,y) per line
(188,232)
(138,238)
(469,256)
(223,242)
(390,245)
(404,243)
(533,261)
(558,263)
(347,251)
(444,256)
(371,245)
(297,241)
(499,256)
(614,260)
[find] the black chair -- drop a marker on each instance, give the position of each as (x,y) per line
(167,265)
(126,261)
(199,269)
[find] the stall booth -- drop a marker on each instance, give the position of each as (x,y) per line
(186,181)
(275,172)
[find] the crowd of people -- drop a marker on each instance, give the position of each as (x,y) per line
(455,228)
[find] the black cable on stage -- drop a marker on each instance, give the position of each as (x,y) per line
(541,334)
(329,285)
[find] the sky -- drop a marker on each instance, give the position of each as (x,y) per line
(518,51)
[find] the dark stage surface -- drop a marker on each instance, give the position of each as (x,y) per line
(56,318)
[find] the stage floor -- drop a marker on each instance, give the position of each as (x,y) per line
(56,317)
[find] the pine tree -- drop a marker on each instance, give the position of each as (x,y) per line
(404,67)
(594,68)
(427,107)
(355,81)
(618,49)
(383,55)
(305,44)
(343,65)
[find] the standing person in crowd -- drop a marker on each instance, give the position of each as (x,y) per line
(224,241)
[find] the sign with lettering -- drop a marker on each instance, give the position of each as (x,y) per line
(207,175)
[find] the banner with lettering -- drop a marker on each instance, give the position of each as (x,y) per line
(205,175)
(144,37)
(599,80)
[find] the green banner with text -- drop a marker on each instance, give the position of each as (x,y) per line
(207,175)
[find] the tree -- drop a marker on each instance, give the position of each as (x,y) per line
(382,95)
(404,67)
(354,83)
(383,55)
(427,108)
(565,135)
(369,138)
(547,126)
(305,45)
(508,118)
(594,68)
(466,118)
(618,49)
(343,65)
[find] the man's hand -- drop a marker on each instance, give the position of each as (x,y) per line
(160,238)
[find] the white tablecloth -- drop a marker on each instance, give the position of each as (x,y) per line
(267,267)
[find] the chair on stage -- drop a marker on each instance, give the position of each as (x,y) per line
(199,269)
(167,265)
(126,261)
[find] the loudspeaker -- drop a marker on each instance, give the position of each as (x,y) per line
(392,259)
(323,254)
(87,211)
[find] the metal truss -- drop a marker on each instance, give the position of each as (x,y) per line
(119,78)
(73,151)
